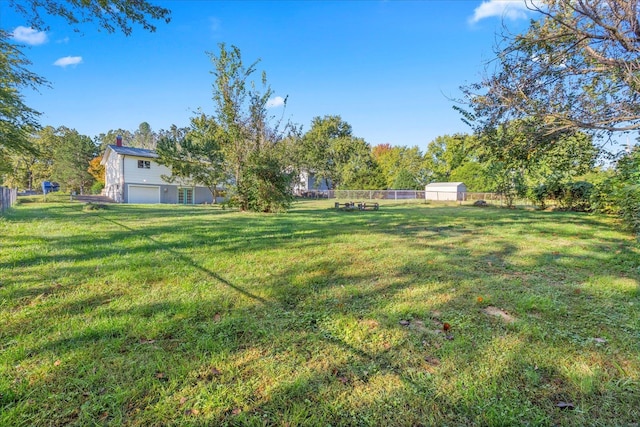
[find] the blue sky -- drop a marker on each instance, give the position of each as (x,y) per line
(389,68)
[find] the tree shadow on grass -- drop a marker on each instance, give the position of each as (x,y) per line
(305,306)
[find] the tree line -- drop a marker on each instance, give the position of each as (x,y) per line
(256,158)
(568,79)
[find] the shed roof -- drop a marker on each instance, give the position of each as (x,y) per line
(452,185)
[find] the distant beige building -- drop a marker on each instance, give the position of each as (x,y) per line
(445,191)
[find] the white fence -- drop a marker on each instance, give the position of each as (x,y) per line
(8,197)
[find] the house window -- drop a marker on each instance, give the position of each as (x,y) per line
(144,164)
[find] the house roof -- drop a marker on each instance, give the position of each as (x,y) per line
(138,152)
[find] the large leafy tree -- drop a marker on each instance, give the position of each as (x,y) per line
(577,67)
(446,153)
(356,167)
(29,167)
(518,156)
(320,144)
(334,154)
(403,168)
(197,156)
(247,135)
(71,158)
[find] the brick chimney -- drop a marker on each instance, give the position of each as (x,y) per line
(119,141)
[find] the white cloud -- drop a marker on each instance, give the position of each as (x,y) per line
(278,101)
(509,9)
(68,60)
(29,36)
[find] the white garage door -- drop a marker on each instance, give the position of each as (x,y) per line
(144,194)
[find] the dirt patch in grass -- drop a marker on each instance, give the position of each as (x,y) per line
(497,312)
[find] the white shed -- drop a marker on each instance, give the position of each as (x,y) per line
(452,191)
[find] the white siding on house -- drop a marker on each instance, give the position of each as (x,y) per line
(113,176)
(307,181)
(153,175)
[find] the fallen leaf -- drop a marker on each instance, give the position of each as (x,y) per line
(191,412)
(236,411)
(104,416)
(343,380)
(446,326)
(215,371)
(57,363)
(217,317)
(565,405)
(183,400)
(161,376)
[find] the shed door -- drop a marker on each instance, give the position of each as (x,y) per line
(144,194)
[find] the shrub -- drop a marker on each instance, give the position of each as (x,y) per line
(539,195)
(94,207)
(629,202)
(576,196)
(97,187)
(265,186)
(619,193)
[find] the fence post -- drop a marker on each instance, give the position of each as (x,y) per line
(8,197)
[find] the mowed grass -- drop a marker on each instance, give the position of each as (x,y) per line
(174,315)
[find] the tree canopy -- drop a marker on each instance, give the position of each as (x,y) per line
(110,15)
(197,156)
(577,67)
(237,146)
(16,118)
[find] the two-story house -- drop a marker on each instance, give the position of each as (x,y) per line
(133,176)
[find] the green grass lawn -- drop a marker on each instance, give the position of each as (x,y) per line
(175,315)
